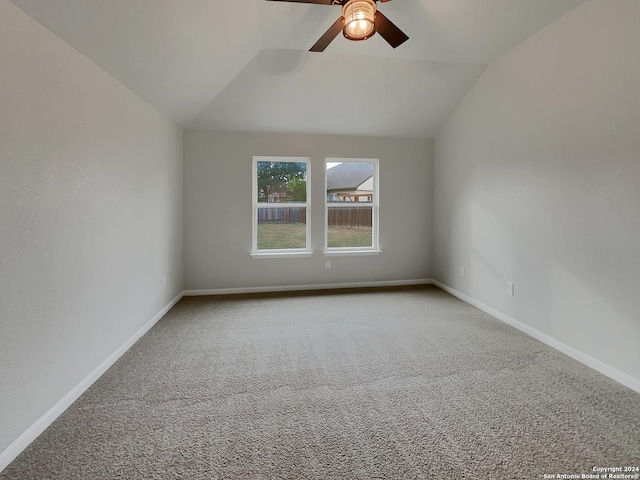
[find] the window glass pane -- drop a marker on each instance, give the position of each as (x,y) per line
(350,182)
(349,226)
(350,191)
(282,227)
(280,182)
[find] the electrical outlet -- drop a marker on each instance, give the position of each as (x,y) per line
(462,271)
(510,289)
(327,264)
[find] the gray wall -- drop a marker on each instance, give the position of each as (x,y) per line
(538,183)
(90,218)
(218,210)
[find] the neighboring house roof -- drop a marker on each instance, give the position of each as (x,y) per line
(348,175)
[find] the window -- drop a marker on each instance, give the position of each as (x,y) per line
(351,206)
(280,206)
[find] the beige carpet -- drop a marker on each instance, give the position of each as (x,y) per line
(394,384)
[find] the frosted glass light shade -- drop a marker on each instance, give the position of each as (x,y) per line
(358,19)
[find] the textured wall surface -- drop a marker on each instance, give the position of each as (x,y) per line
(218,210)
(90,218)
(537,183)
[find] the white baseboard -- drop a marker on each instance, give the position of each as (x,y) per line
(292,288)
(588,360)
(23,441)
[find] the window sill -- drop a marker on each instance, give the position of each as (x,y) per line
(350,253)
(265,255)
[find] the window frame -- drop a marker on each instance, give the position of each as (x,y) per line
(374,249)
(255,206)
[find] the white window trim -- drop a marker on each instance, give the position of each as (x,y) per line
(280,254)
(255,205)
(375,214)
(351,252)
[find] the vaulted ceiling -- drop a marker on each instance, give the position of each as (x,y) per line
(244,65)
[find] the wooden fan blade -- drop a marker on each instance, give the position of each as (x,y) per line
(392,34)
(328,36)
(318,2)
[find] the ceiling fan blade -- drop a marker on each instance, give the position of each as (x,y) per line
(392,34)
(328,36)
(318,2)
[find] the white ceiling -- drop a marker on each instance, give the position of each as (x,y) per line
(244,65)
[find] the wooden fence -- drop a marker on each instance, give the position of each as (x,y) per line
(282,215)
(359,218)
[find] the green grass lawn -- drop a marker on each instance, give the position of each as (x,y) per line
(348,237)
(292,235)
(281,235)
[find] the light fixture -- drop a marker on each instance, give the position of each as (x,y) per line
(359,18)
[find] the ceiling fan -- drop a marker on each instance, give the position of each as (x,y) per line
(360,20)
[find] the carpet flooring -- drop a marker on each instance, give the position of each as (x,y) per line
(394,384)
